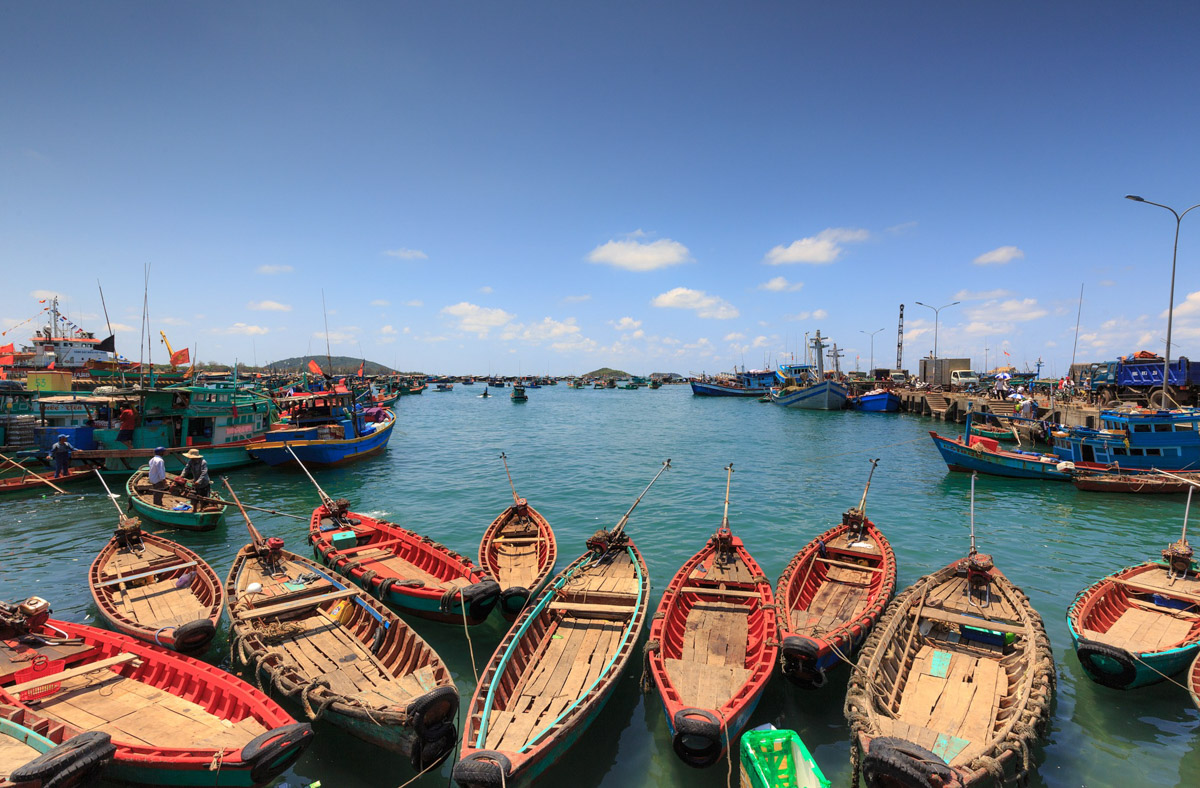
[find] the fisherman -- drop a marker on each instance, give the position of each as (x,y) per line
(1027,408)
(128,421)
(197,471)
(60,452)
(158,474)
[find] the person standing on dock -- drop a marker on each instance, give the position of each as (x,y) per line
(158,474)
(128,421)
(60,452)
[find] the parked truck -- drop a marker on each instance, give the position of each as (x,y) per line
(939,371)
(1140,379)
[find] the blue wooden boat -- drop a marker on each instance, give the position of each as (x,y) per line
(878,401)
(744,383)
(1135,438)
(974,453)
(808,387)
(325,428)
(1140,625)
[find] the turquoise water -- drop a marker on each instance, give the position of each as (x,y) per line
(582,456)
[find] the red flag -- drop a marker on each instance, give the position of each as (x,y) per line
(6,361)
(7,348)
(50,365)
(314,367)
(180,357)
(360,367)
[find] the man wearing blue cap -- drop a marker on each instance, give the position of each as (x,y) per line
(158,474)
(60,452)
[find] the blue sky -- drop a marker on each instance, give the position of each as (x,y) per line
(561,186)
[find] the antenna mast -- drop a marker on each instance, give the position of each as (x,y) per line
(900,341)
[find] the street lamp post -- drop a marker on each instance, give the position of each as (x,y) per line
(936,310)
(871,334)
(1171,303)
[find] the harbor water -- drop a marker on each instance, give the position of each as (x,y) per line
(582,456)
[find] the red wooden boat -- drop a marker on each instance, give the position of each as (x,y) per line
(156,590)
(30,481)
(712,645)
(399,567)
(1194,681)
(1143,483)
(38,753)
(518,550)
(831,594)
(174,720)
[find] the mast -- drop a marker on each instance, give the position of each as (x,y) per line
(728,479)
(900,341)
(104,306)
(328,358)
(818,346)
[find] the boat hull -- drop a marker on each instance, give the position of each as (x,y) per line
(184,521)
(326,452)
(1014,465)
(887,402)
(503,560)
(826,395)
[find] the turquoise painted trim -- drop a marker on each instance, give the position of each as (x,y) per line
(26,736)
(145,774)
(604,673)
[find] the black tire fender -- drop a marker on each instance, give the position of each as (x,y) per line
(1089,651)
(385,585)
(479,598)
(269,754)
(904,763)
(432,710)
(194,635)
(432,751)
(698,737)
(513,599)
(84,751)
(798,661)
(482,769)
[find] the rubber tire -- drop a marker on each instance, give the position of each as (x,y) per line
(194,636)
(482,769)
(708,729)
(479,598)
(432,710)
(513,600)
(262,752)
(799,657)
(385,585)
(902,763)
(1089,650)
(430,752)
(1156,399)
(86,748)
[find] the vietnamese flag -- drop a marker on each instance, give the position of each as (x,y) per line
(50,365)
(6,349)
(360,366)
(315,368)
(180,357)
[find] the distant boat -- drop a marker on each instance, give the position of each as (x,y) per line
(877,401)
(746,383)
(324,428)
(518,394)
(445,387)
(485,394)
(807,387)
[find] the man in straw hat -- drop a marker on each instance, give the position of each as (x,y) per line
(196,471)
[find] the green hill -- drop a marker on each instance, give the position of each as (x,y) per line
(342,365)
(606,372)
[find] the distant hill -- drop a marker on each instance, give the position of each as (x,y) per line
(606,372)
(342,365)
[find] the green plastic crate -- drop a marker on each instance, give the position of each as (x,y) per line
(778,759)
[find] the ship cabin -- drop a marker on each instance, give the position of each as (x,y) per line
(324,415)
(1135,438)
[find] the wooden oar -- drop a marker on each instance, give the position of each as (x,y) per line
(111,497)
(620,526)
(325,499)
(40,478)
(255,537)
(504,459)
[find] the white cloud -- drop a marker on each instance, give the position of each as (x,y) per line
(902,228)
(820,249)
(1011,311)
(626,324)
(1190,306)
(760,341)
(703,304)
(414,302)
(271,270)
(477,319)
(735,336)
(46,294)
(636,256)
(387,330)
(780,285)
(171,321)
(244,329)
(819,314)
(121,327)
(342,334)
(485,289)
(407,254)
(380,302)
(577,299)
(981,295)
(268,306)
(1000,256)
(544,331)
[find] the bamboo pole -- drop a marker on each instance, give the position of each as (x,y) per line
(620,526)
(111,497)
(39,477)
(504,459)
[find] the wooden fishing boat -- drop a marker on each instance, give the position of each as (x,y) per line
(773,758)
(1140,483)
(1140,625)
(341,655)
(713,645)
(29,480)
(994,432)
(518,394)
(400,567)
(831,594)
(177,511)
(156,590)
(38,753)
(558,665)
(1193,681)
(174,720)
(954,685)
(518,551)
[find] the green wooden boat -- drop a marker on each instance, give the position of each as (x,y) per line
(773,758)
(141,500)
(995,433)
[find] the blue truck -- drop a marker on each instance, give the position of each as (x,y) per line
(1140,379)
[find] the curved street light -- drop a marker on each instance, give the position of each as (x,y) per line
(871,334)
(1171,304)
(936,310)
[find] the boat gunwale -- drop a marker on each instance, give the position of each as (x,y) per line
(487,547)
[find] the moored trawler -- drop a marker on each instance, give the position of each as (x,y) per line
(744,383)
(807,387)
